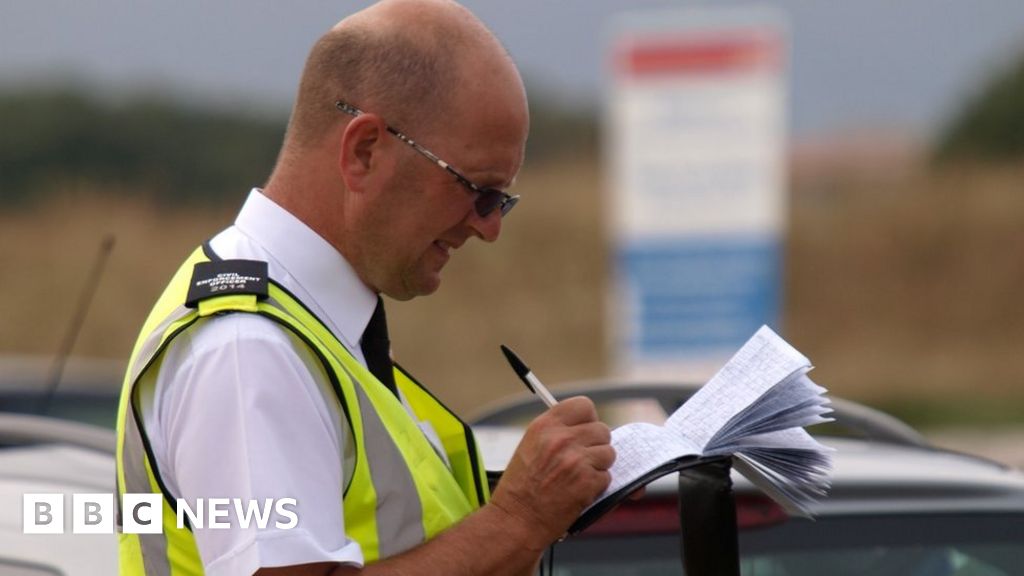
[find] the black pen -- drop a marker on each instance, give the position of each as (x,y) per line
(528,378)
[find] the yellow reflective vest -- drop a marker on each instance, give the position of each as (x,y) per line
(399,493)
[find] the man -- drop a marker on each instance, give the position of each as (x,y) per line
(260,372)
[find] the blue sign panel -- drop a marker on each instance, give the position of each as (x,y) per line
(689,296)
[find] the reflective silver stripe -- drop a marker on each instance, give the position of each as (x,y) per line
(399,514)
(399,510)
(154,546)
(153,342)
(155,560)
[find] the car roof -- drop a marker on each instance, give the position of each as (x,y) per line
(868,477)
(873,476)
(856,419)
(30,429)
(886,467)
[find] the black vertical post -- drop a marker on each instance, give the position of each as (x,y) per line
(707,515)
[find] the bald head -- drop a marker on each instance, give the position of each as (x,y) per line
(431,70)
(403,59)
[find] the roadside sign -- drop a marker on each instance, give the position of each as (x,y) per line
(696,137)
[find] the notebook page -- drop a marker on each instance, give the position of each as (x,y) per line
(641,447)
(762,362)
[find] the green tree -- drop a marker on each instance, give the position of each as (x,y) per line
(180,154)
(991,125)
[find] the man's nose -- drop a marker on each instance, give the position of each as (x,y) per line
(487,228)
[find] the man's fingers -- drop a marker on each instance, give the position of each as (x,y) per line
(582,428)
(601,457)
(592,433)
(575,410)
(560,466)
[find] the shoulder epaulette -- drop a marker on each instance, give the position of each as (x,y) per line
(224,277)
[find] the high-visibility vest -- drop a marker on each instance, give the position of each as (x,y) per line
(399,492)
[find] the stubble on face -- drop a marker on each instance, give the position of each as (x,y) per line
(431,214)
(401,225)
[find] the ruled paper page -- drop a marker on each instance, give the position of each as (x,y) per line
(764,361)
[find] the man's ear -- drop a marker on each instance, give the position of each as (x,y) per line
(362,151)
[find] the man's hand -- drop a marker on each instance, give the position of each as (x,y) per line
(559,468)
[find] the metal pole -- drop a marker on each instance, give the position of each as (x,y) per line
(707,516)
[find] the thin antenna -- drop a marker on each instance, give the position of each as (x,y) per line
(84,300)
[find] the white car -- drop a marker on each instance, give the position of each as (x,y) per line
(898,506)
(40,455)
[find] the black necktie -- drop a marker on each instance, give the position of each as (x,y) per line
(377,348)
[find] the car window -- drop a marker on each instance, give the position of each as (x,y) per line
(95,409)
(907,545)
(988,560)
(983,560)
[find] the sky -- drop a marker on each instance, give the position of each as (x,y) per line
(855,64)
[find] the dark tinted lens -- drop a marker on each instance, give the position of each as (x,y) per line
(488,200)
(508,204)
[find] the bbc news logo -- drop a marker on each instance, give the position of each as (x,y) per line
(143,513)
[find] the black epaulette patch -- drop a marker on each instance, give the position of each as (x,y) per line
(224,277)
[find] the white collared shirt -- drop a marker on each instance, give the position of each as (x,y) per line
(242,409)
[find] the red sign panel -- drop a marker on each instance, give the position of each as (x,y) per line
(732,53)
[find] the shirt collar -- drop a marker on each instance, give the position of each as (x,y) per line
(311,262)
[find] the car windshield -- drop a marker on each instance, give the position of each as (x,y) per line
(89,408)
(611,411)
(926,545)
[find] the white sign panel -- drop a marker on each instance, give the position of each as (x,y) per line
(696,141)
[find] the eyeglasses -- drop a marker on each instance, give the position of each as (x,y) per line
(487,199)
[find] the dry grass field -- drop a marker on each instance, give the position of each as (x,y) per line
(905,289)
